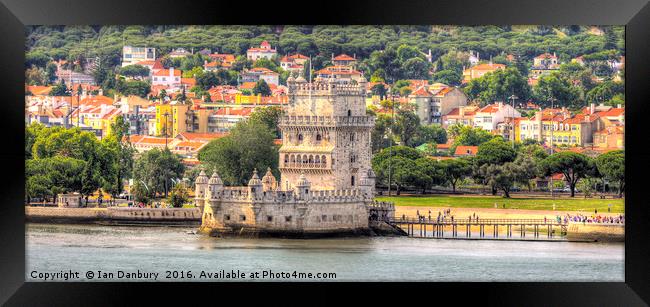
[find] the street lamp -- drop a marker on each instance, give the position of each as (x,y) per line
(512,119)
(166,115)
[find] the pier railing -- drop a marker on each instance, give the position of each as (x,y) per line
(448,221)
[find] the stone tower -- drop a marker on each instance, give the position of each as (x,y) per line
(325,134)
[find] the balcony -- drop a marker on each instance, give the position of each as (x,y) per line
(307,165)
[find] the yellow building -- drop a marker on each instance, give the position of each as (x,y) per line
(558,127)
(179,118)
(248,99)
(164,113)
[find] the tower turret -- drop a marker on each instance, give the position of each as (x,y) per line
(201,184)
(215,186)
(367,183)
(255,185)
(268,181)
(302,187)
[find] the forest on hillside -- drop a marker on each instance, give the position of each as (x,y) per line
(385,53)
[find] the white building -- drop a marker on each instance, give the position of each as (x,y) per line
(167,77)
(133,55)
(491,115)
(264,51)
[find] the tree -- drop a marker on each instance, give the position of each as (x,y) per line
(207,80)
(433,133)
(416,68)
(379,133)
(502,177)
(573,166)
(134,87)
(178,195)
(612,166)
(431,168)
(379,89)
(262,88)
(499,85)
(266,63)
(134,71)
(249,145)
(495,151)
(59,90)
(50,176)
(156,168)
(471,136)
(455,170)
(270,116)
(449,77)
(553,87)
(406,126)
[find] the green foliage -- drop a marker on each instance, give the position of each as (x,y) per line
(266,63)
(605,92)
(469,136)
(433,133)
(262,88)
(612,166)
(455,170)
(573,166)
(133,71)
(554,90)
(270,116)
(495,151)
(248,146)
(133,87)
(407,124)
(156,168)
(60,89)
(449,77)
(499,85)
(179,195)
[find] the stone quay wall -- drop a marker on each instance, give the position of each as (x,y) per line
(159,216)
(596,232)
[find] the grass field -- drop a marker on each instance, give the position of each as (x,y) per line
(563,204)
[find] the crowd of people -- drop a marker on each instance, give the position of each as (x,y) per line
(580,218)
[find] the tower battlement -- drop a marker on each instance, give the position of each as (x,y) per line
(326,89)
(327,121)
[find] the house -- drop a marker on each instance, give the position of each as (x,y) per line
(263,52)
(464,151)
(225,59)
(293,63)
(257,73)
(143,143)
(555,127)
(344,60)
(132,55)
(170,78)
(479,70)
(340,74)
(225,118)
(431,106)
(179,53)
(489,116)
(71,77)
(544,64)
(463,115)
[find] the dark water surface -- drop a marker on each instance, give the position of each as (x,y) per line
(83,248)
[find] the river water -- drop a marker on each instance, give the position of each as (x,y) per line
(133,250)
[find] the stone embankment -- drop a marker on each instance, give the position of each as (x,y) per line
(115,216)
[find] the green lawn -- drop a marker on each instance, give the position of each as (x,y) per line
(564,204)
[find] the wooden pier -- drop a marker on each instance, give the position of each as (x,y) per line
(521,229)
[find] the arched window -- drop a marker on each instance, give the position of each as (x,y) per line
(352,137)
(311,159)
(300,137)
(286,158)
(318,137)
(323,160)
(293,159)
(305,159)
(317,160)
(352,181)
(349,112)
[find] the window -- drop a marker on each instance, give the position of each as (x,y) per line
(287,218)
(242,217)
(323,218)
(300,137)
(226,217)
(318,137)
(349,112)
(352,180)
(351,137)
(269,218)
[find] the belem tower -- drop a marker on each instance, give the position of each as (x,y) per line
(327,183)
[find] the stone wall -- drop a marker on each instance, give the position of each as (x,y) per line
(158,215)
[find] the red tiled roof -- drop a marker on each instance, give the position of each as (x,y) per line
(38,90)
(344,57)
(421,92)
(195,136)
(466,150)
(97,100)
(487,66)
(165,73)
